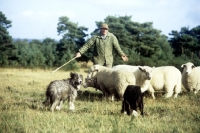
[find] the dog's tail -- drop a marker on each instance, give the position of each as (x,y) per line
(47,101)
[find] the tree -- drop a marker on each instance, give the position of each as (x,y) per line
(186,42)
(71,31)
(30,54)
(196,35)
(22,52)
(8,50)
(49,51)
(37,58)
(4,25)
(72,39)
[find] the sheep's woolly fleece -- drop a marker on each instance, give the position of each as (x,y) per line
(191,77)
(110,82)
(166,78)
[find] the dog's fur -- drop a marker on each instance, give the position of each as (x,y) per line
(133,98)
(60,90)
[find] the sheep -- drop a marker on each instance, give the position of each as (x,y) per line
(110,82)
(191,77)
(167,78)
(133,98)
(143,74)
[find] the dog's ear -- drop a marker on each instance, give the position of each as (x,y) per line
(81,76)
(72,74)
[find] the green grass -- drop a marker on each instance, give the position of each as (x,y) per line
(23,91)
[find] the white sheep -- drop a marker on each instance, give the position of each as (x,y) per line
(191,77)
(143,74)
(110,82)
(167,78)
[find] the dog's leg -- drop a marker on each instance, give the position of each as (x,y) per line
(71,105)
(53,106)
(123,107)
(58,107)
(135,113)
(71,101)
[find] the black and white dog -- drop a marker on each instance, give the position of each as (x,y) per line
(60,90)
(133,98)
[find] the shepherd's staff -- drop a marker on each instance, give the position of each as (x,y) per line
(64,64)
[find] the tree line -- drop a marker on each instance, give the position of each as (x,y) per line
(141,42)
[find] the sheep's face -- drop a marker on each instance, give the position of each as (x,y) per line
(89,82)
(188,67)
(147,72)
(92,71)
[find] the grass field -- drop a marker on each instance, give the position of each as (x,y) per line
(23,91)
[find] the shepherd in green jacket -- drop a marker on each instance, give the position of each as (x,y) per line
(103,47)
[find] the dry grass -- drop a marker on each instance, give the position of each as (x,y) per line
(23,90)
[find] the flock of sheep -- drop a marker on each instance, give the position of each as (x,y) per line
(113,82)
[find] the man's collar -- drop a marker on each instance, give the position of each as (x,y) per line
(108,34)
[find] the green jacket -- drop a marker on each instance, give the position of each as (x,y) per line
(103,48)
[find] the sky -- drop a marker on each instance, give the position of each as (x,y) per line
(38,19)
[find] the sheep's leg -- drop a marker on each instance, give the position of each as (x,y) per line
(177,89)
(109,97)
(153,96)
(170,90)
(169,94)
(144,87)
(151,91)
(104,90)
(175,95)
(195,92)
(197,89)
(176,92)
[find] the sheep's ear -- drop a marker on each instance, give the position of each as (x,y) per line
(96,68)
(153,67)
(183,65)
(140,68)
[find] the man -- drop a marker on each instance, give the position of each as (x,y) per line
(103,47)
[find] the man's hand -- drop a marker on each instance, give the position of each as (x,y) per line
(125,58)
(78,55)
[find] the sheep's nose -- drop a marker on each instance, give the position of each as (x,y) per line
(149,77)
(85,85)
